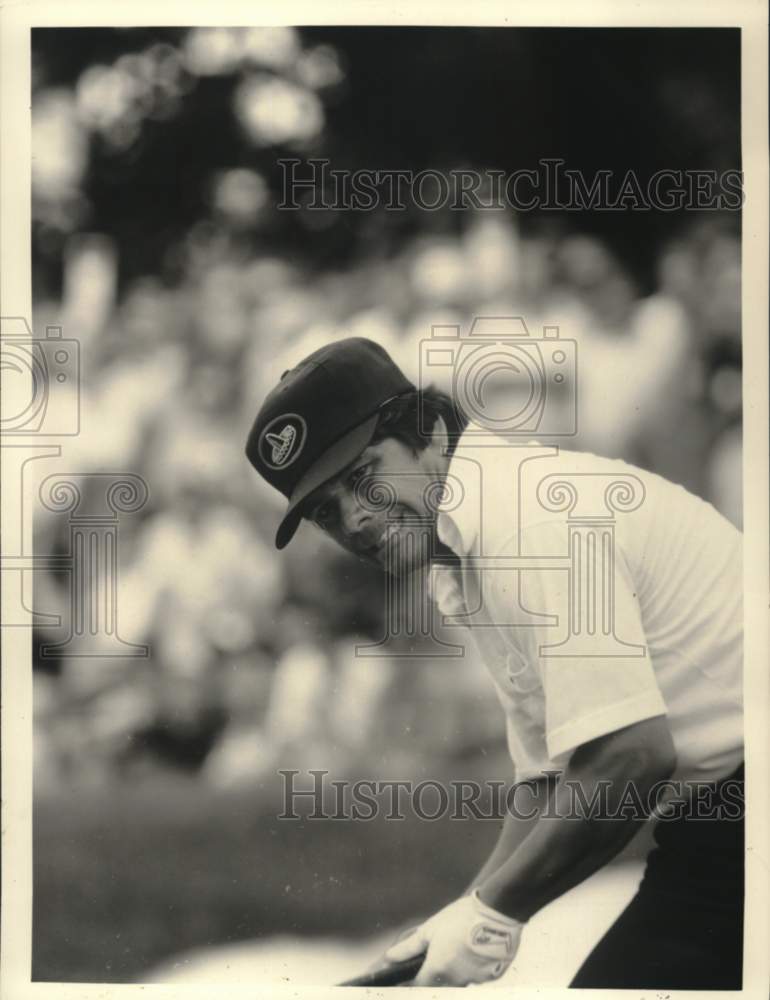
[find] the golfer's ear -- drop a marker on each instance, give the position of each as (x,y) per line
(439,434)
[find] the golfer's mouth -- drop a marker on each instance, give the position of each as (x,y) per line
(392,540)
(374,546)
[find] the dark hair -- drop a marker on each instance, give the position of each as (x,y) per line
(411,417)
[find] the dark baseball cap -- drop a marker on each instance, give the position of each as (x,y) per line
(319,418)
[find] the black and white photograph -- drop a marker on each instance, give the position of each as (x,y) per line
(385,529)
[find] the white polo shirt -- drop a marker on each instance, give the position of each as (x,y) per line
(608,595)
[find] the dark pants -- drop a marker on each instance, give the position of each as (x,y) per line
(684,927)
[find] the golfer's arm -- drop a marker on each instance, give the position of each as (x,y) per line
(560,852)
(521,815)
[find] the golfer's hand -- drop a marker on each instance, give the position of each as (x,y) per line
(466,942)
(382,959)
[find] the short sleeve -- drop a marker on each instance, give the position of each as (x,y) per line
(593,684)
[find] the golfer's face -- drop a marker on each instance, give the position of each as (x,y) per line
(380,507)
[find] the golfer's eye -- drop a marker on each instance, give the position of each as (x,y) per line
(323,515)
(358,473)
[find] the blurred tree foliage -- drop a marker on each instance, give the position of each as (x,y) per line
(405,98)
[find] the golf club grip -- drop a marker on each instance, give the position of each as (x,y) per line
(392,974)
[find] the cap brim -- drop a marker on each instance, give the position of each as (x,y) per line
(333,461)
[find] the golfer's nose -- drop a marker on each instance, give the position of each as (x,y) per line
(353,516)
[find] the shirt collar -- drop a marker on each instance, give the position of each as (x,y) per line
(445,590)
(460,514)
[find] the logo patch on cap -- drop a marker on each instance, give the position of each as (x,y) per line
(282,441)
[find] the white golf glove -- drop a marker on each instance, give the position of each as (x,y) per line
(466,942)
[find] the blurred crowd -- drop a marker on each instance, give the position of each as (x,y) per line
(255,658)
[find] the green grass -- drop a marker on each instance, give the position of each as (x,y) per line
(124,880)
